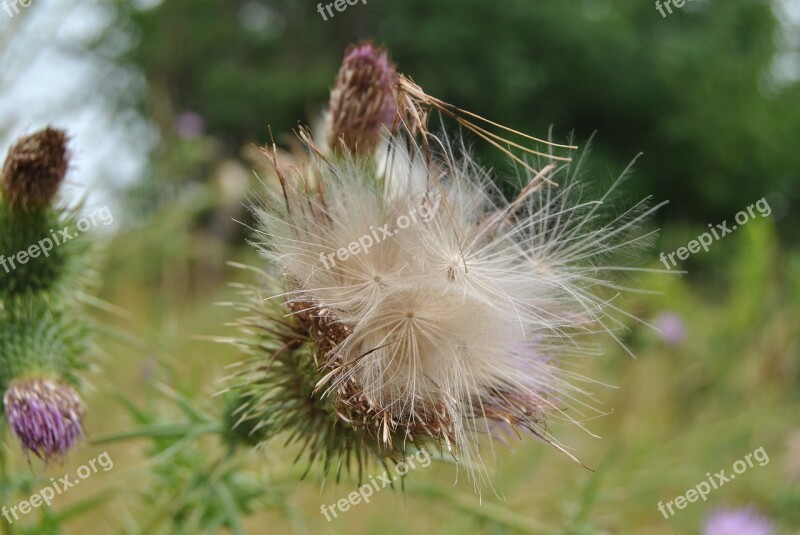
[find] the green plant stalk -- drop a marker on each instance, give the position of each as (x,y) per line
(487,511)
(160,431)
(8,528)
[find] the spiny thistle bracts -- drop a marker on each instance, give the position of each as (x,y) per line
(29,213)
(37,339)
(273,392)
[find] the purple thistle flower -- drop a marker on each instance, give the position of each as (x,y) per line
(45,415)
(744,521)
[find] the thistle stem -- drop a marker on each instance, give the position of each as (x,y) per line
(485,511)
(160,431)
(8,528)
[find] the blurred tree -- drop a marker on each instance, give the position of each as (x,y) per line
(693,91)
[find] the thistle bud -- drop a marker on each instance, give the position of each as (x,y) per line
(45,415)
(362,100)
(34,170)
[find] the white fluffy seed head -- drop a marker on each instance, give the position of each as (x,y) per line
(460,302)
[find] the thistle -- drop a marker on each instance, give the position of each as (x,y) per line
(45,415)
(34,170)
(413,305)
(362,104)
(43,337)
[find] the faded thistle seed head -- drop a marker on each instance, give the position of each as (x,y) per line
(45,415)
(34,170)
(362,100)
(411,304)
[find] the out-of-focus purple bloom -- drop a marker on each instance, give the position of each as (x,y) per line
(672,328)
(45,415)
(189,125)
(744,521)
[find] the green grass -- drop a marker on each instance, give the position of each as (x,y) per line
(671,415)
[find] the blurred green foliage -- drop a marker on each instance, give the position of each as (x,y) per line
(693,91)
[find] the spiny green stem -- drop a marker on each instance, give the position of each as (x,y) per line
(487,511)
(161,431)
